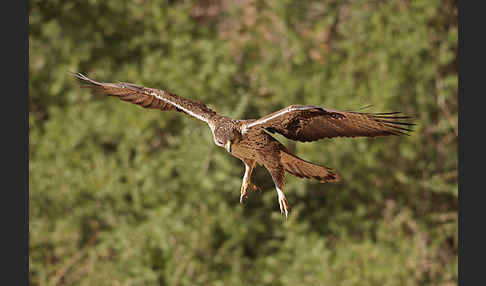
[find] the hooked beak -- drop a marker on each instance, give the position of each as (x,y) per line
(227,146)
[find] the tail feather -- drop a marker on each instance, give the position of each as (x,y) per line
(307,170)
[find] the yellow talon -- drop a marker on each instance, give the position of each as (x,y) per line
(254,187)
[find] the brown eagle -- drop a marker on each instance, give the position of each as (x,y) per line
(249,140)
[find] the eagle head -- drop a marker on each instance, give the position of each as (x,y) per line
(225,135)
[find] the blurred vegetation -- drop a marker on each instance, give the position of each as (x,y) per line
(121,195)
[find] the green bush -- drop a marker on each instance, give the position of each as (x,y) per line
(121,195)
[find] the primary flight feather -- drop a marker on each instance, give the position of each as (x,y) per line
(250,141)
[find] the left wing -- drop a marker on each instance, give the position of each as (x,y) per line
(309,123)
(150,98)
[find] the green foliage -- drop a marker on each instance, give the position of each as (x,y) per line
(120,195)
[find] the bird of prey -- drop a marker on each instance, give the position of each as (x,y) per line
(250,140)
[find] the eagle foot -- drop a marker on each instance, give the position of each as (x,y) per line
(284,205)
(254,187)
(244,190)
(243,197)
(244,193)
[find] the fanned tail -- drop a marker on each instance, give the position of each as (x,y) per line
(307,170)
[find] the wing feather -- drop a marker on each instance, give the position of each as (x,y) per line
(309,123)
(149,97)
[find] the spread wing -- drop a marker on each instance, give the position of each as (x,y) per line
(149,97)
(309,123)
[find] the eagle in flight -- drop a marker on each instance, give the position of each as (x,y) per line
(249,140)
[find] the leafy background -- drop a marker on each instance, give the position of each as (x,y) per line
(120,195)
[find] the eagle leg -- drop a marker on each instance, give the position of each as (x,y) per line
(278,176)
(249,165)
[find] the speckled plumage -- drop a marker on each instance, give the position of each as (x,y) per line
(250,141)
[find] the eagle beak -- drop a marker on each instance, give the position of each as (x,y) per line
(227,146)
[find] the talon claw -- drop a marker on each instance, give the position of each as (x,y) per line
(244,193)
(242,198)
(254,187)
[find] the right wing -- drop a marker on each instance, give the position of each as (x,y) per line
(310,123)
